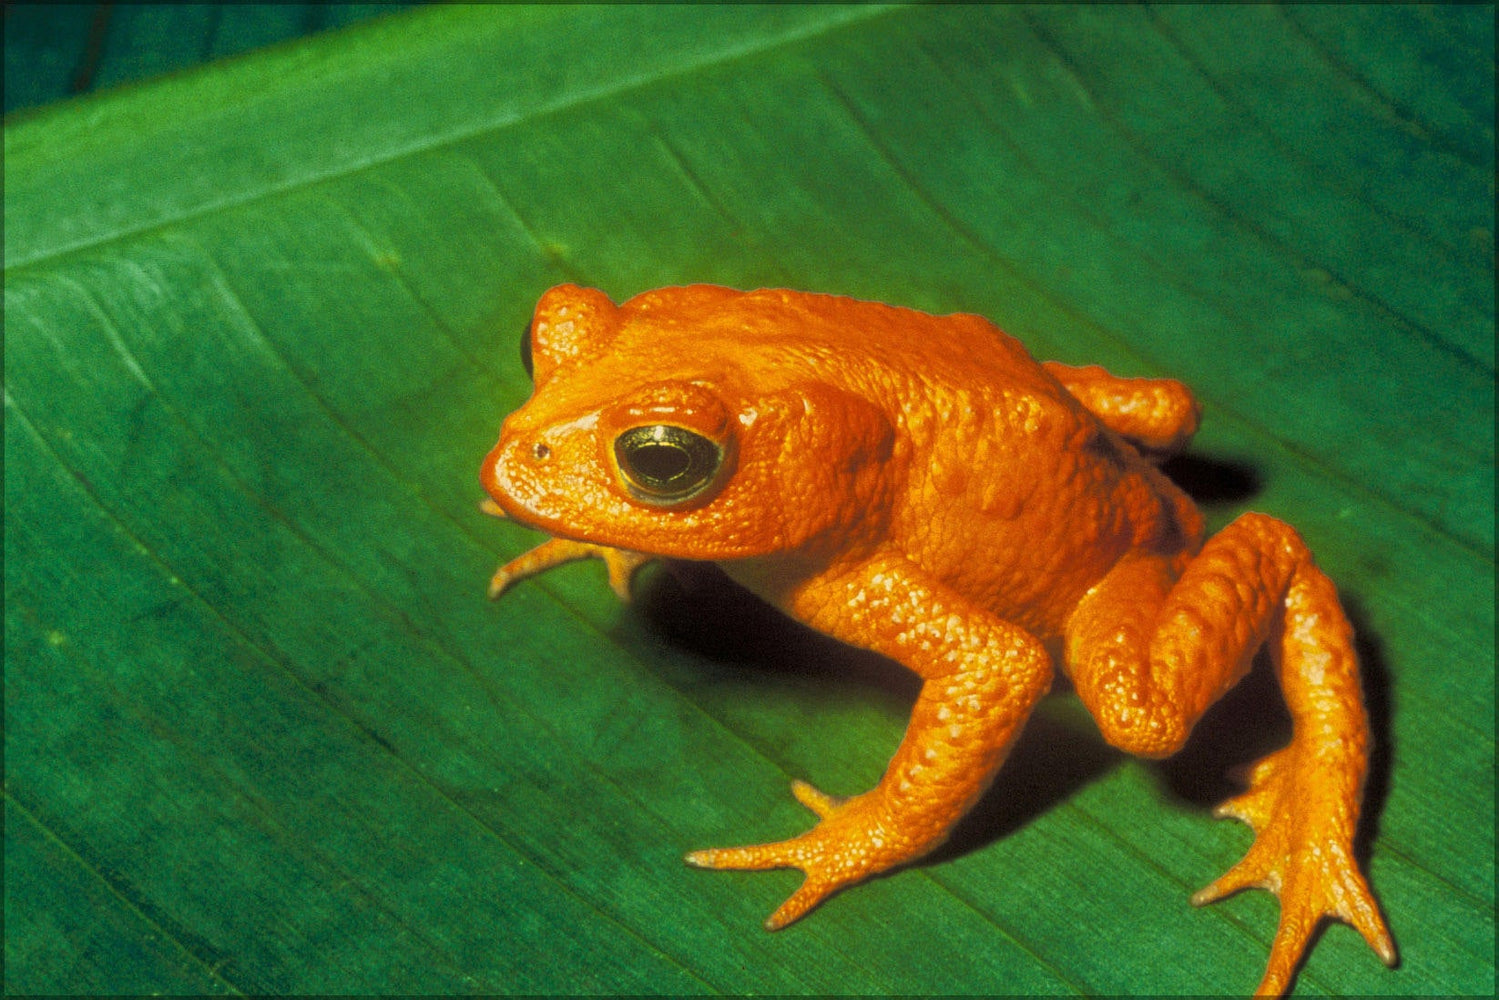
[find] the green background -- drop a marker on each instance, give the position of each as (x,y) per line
(264,734)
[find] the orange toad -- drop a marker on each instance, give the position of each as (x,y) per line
(919,486)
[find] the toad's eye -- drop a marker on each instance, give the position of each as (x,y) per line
(525,351)
(664,464)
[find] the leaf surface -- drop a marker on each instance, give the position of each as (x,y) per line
(264,734)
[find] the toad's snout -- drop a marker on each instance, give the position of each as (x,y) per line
(507,465)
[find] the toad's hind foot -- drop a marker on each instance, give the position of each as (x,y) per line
(1302,852)
(853,841)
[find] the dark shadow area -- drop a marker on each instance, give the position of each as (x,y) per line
(1209,480)
(1374,671)
(1247,723)
(1048,764)
(697,608)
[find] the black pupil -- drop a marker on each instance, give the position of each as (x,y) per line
(666,464)
(660,461)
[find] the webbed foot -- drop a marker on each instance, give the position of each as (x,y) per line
(853,840)
(1302,853)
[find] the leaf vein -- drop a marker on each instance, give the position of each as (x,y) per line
(356,165)
(210,965)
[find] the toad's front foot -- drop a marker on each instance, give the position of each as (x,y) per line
(856,838)
(621,563)
(1303,853)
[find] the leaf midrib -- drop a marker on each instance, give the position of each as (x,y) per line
(843,19)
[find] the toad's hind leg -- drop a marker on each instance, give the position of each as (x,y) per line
(1156,415)
(1150,651)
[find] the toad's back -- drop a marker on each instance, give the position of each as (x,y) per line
(1008,486)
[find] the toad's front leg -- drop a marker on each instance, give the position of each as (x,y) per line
(982,678)
(620,563)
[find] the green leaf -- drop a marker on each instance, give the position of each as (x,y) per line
(53,51)
(264,733)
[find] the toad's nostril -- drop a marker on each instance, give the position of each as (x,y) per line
(540,451)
